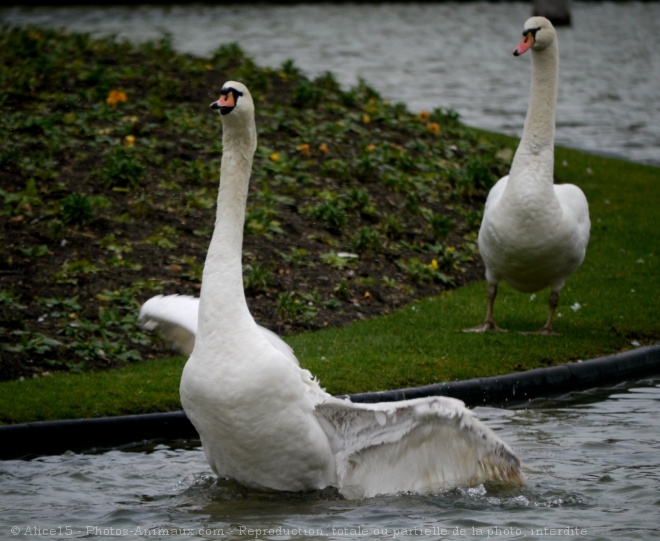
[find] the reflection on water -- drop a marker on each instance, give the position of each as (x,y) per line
(451,55)
(592,464)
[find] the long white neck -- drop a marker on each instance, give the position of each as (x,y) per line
(223,309)
(534,159)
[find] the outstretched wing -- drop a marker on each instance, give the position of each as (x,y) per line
(175,317)
(420,445)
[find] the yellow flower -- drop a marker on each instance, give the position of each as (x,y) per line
(129,141)
(434,264)
(451,249)
(370,148)
(323,148)
(425,115)
(433,127)
(366,119)
(114,97)
(275,157)
(304,150)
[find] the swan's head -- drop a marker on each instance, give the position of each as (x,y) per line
(234,101)
(538,33)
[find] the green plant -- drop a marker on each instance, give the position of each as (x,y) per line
(35,251)
(256,278)
(296,256)
(391,226)
(58,307)
(192,268)
(71,272)
(366,239)
(306,94)
(420,272)
(261,221)
(31,344)
(77,209)
(164,237)
(292,307)
(24,200)
(329,213)
(123,169)
(9,298)
(441,226)
(337,260)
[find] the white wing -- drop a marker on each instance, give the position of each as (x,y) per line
(420,445)
(175,317)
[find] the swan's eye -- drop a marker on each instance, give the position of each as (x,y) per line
(531,31)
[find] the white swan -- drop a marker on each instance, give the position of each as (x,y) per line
(534,234)
(267,423)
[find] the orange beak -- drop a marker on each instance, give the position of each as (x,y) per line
(227,100)
(526,43)
(225,104)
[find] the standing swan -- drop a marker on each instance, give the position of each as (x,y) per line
(264,421)
(534,234)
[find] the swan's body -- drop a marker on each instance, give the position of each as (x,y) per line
(267,423)
(534,234)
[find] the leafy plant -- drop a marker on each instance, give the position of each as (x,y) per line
(420,272)
(366,239)
(77,209)
(330,214)
(337,260)
(256,278)
(24,200)
(123,169)
(262,221)
(291,307)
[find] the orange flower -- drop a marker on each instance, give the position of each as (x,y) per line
(129,141)
(424,115)
(304,150)
(323,148)
(370,148)
(433,127)
(114,97)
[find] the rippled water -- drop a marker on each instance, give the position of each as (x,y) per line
(451,55)
(593,475)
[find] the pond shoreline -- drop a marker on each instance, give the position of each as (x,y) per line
(518,389)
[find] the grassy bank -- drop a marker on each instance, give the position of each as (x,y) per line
(398,189)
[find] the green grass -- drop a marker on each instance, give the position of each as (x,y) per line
(616,288)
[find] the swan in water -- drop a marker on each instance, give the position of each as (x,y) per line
(534,234)
(266,422)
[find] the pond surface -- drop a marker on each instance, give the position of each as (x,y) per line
(592,474)
(449,55)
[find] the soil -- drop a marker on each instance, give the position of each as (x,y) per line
(72,284)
